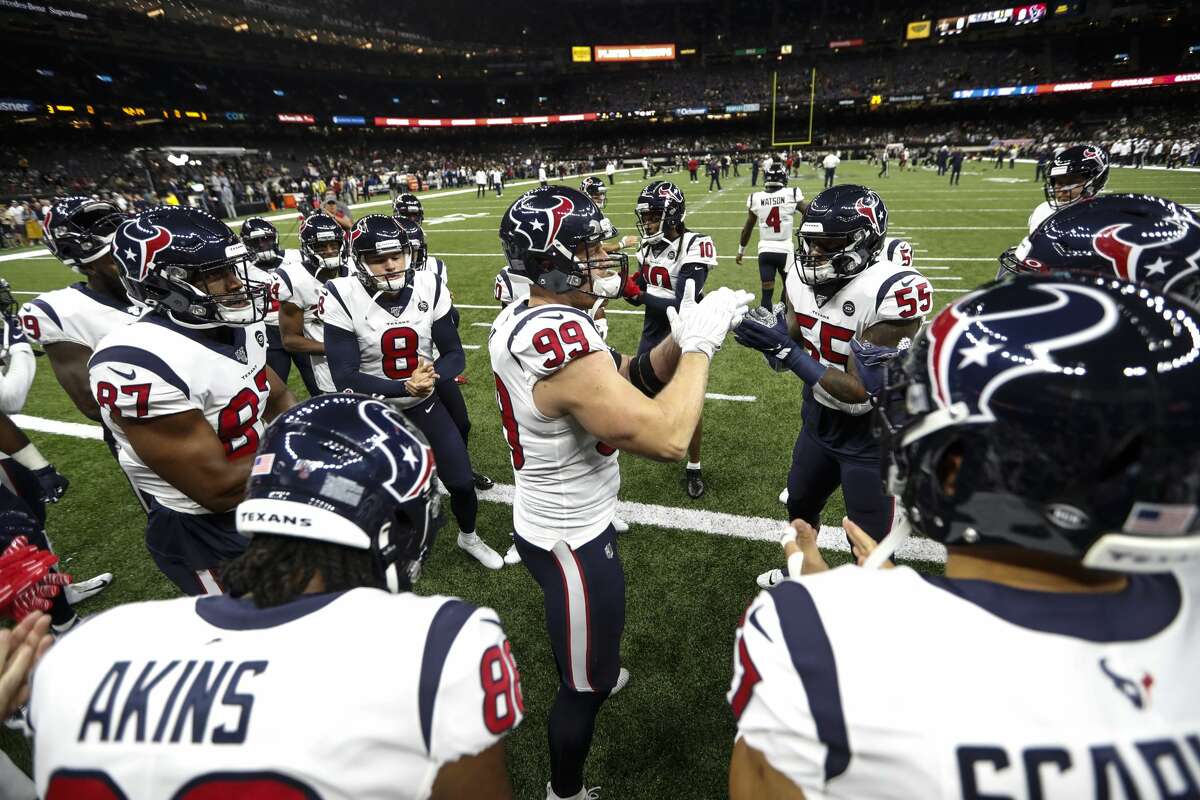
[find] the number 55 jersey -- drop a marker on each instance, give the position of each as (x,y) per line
(216,698)
(156,367)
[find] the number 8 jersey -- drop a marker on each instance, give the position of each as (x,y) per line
(393,333)
(156,367)
(883,292)
(566,478)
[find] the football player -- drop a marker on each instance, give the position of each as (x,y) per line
(1136,237)
(186,388)
(568,404)
(670,256)
(595,189)
(772,210)
(447,387)
(213,697)
(1075,174)
(17,363)
(847,308)
(296,286)
(381,324)
(1060,644)
(262,240)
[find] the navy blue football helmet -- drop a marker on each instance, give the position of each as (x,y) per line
(376,236)
(660,207)
(8,303)
(841,234)
(322,241)
(1136,237)
(416,236)
(775,178)
(595,189)
(351,471)
(1071,405)
(408,205)
(80,230)
(1075,174)
(262,240)
(167,255)
(542,233)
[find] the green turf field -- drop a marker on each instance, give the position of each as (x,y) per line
(670,732)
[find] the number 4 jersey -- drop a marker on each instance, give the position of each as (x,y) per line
(156,367)
(215,698)
(775,212)
(566,479)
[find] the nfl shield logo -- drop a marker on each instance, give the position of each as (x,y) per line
(395,311)
(240,355)
(422,306)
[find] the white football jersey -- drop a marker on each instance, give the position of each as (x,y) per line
(884,291)
(438,267)
(661,261)
(1040,214)
(307,699)
(775,211)
(392,333)
(156,367)
(566,479)
(897,251)
(289,257)
(74,314)
(970,689)
(292,283)
(511,287)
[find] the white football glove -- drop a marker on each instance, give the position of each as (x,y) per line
(701,327)
(602,326)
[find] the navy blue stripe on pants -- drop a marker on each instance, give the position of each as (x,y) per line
(453,462)
(816,473)
(583,592)
(281,361)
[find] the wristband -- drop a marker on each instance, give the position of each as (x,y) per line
(806,368)
(741,249)
(30,458)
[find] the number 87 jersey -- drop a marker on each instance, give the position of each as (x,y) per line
(886,291)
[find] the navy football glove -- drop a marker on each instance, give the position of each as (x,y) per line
(53,485)
(779,348)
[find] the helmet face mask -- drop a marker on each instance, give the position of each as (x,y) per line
(842,233)
(385,252)
(80,230)
(321,243)
(408,206)
(659,211)
(262,240)
(649,224)
(1075,174)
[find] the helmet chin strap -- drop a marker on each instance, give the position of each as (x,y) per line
(896,537)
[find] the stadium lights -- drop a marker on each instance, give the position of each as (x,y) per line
(242,27)
(155,12)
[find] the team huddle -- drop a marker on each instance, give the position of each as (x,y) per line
(1044,428)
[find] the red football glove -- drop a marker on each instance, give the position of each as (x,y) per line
(26,582)
(632,290)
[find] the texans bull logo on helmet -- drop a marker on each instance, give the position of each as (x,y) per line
(149,240)
(969,360)
(538,218)
(669,191)
(1138,261)
(868,206)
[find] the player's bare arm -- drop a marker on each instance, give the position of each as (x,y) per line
(848,386)
(744,236)
(291,331)
(280,399)
(69,360)
(482,776)
(183,450)
(751,777)
(608,406)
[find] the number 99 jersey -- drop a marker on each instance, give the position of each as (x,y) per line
(392,333)
(566,479)
(216,698)
(883,292)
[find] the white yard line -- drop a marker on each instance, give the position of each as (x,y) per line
(685,519)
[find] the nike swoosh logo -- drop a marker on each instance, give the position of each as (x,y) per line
(553,316)
(126,375)
(430,408)
(907,282)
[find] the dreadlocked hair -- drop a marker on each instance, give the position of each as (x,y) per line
(276,569)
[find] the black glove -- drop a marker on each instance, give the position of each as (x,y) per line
(54,485)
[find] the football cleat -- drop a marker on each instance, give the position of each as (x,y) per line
(482,482)
(78,591)
(695,483)
(480,551)
(620,525)
(511,556)
(783,496)
(583,794)
(622,680)
(461,380)
(772,577)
